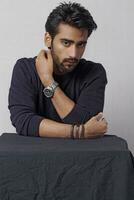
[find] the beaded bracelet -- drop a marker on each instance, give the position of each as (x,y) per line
(71,132)
(77,131)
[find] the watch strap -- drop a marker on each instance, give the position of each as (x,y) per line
(54,85)
(51,88)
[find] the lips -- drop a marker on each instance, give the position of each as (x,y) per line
(70,62)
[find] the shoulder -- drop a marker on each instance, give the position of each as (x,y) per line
(91,70)
(86,66)
(25,67)
(25,64)
(25,71)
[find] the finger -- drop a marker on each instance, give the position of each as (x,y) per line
(41,53)
(49,54)
(46,54)
(103,123)
(104,120)
(105,126)
(99,116)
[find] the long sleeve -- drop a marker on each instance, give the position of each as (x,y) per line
(22,101)
(28,106)
(91,98)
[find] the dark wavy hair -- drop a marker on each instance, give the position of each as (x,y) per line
(70,13)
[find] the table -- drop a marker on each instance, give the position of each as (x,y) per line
(33,168)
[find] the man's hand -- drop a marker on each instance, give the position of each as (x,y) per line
(44,67)
(96,126)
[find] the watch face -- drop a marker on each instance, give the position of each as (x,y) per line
(48,92)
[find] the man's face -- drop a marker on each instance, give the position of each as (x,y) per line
(67,48)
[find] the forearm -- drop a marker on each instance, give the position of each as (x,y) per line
(50,128)
(62,103)
(95,127)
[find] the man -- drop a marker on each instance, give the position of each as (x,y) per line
(58,94)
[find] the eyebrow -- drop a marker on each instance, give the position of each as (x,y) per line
(71,41)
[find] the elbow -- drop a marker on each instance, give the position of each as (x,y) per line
(27,125)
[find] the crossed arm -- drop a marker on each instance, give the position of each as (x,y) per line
(63,105)
(22,106)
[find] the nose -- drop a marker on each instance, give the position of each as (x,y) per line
(73,53)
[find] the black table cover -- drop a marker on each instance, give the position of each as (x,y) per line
(33,168)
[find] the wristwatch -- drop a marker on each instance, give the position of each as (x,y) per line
(49,90)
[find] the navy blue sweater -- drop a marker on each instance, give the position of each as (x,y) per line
(85,85)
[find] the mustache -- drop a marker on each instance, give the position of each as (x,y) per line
(71,60)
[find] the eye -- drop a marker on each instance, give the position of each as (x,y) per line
(66,43)
(82,45)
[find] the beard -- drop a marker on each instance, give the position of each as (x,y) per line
(65,66)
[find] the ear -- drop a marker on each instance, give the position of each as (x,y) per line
(47,39)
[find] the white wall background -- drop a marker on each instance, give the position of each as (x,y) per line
(21,35)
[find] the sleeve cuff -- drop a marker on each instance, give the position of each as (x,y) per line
(33,129)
